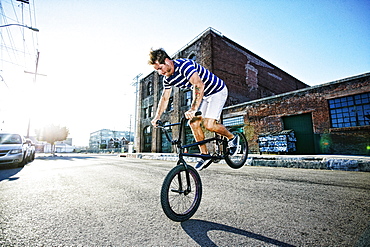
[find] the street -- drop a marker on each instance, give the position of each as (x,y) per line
(106,200)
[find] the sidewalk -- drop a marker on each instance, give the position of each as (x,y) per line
(328,162)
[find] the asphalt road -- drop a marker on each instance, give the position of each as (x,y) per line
(91,200)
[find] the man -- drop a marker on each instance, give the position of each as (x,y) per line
(209,96)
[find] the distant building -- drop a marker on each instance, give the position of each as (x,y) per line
(60,146)
(109,139)
(68,141)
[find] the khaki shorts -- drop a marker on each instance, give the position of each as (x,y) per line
(212,105)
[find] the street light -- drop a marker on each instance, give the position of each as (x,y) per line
(20,25)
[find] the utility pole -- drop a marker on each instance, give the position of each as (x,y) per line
(34,82)
(130,139)
(135,83)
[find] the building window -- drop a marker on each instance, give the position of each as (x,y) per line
(187,98)
(170,104)
(234,121)
(145,111)
(150,89)
(193,57)
(350,111)
(166,144)
(147,139)
(150,111)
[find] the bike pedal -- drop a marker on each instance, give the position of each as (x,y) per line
(207,164)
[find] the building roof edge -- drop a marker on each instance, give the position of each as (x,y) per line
(300,90)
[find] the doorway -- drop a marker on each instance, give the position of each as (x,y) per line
(303,130)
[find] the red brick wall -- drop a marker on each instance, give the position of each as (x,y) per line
(248,76)
(265,115)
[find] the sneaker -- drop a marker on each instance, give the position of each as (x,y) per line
(202,164)
(233,145)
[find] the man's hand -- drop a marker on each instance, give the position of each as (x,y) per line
(154,122)
(190,114)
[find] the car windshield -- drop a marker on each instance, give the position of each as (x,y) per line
(10,139)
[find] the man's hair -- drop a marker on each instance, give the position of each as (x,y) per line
(157,55)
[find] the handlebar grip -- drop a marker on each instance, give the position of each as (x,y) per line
(159,122)
(198,113)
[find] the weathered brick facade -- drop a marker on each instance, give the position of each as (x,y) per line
(248,77)
(253,84)
(267,115)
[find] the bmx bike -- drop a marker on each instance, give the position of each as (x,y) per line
(181,191)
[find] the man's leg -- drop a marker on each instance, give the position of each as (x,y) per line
(198,133)
(212,125)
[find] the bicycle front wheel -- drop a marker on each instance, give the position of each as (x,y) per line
(238,159)
(181,193)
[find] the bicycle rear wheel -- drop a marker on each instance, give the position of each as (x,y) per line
(238,159)
(181,193)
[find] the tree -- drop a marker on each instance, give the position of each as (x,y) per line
(52,134)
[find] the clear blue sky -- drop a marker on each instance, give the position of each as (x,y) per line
(92,50)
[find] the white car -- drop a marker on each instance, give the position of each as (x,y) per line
(31,152)
(13,150)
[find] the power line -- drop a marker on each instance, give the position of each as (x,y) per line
(2,79)
(17,46)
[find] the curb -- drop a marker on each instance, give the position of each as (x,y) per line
(324,162)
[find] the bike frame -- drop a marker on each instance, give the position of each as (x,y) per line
(182,148)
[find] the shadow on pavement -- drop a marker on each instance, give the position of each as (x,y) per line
(197,230)
(6,174)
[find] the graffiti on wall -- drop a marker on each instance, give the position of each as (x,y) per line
(283,141)
(342,164)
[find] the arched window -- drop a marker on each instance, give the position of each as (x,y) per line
(166,144)
(147,139)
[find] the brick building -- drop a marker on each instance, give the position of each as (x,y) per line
(247,76)
(332,118)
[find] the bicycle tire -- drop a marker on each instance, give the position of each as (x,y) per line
(177,204)
(238,159)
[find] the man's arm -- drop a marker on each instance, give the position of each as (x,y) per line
(162,105)
(198,93)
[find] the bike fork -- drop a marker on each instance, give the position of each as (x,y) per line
(180,178)
(188,189)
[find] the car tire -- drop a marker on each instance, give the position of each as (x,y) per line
(23,162)
(32,157)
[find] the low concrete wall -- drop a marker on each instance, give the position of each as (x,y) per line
(327,162)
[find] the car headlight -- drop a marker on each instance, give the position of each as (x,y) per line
(16,151)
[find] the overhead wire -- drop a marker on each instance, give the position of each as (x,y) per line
(11,53)
(9,33)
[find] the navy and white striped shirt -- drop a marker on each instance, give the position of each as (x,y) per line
(184,69)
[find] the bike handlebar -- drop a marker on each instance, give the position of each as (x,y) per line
(160,123)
